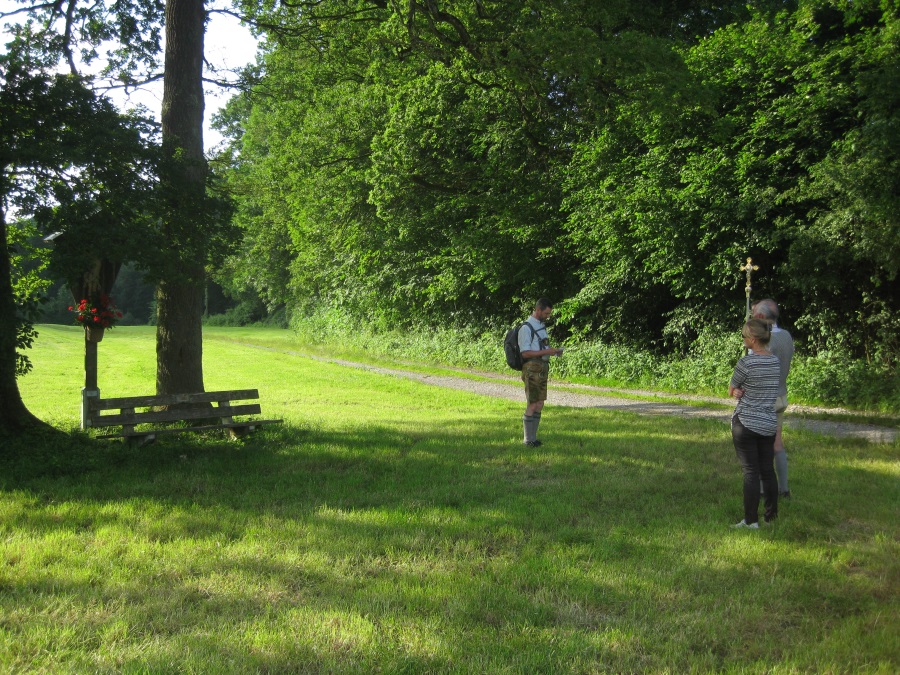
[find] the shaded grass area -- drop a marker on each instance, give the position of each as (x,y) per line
(396,527)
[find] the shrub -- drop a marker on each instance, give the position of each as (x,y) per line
(466,347)
(607,362)
(243,314)
(705,369)
(708,365)
(834,379)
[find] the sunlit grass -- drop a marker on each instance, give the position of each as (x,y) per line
(396,527)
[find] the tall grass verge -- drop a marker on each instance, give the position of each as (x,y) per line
(823,379)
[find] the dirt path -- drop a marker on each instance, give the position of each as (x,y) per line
(583,396)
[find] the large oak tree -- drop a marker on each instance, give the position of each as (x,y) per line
(72,163)
(126,38)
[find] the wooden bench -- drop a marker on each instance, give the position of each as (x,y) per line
(192,408)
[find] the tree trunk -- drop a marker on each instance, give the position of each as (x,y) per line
(179,339)
(179,343)
(14,416)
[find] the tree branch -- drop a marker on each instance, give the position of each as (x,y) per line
(67,37)
(435,16)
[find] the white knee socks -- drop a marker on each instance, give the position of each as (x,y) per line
(781,470)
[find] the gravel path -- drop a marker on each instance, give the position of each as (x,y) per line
(583,396)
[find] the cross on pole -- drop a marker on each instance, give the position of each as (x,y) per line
(749,268)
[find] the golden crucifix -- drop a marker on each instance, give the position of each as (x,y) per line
(749,268)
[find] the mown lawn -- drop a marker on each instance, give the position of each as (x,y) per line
(394,527)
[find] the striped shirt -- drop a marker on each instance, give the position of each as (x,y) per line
(758,375)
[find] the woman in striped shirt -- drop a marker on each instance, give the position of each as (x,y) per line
(754,423)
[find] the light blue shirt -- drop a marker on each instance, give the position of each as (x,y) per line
(531,341)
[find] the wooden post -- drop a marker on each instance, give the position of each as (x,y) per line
(90,389)
(90,364)
(97,280)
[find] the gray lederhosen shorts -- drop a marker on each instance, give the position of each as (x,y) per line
(781,404)
(535,374)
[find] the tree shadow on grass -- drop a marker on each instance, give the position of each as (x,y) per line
(623,470)
(380,547)
(48,453)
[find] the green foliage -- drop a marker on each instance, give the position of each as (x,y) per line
(196,222)
(464,207)
(449,162)
(837,379)
(123,36)
(413,155)
(75,165)
(773,141)
(706,368)
(456,346)
(25,336)
(27,262)
(56,307)
(243,314)
(70,164)
(132,293)
(707,365)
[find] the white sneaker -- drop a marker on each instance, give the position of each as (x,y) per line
(743,523)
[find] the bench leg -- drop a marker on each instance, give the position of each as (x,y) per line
(239,432)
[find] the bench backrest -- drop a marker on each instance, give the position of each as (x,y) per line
(187,407)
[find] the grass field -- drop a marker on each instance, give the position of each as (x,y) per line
(389,526)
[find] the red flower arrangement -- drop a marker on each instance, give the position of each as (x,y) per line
(102,315)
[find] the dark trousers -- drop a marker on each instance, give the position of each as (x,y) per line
(756,454)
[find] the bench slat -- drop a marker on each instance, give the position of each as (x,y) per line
(96,404)
(174,415)
(206,427)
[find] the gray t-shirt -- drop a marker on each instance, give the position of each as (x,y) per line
(781,344)
(533,341)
